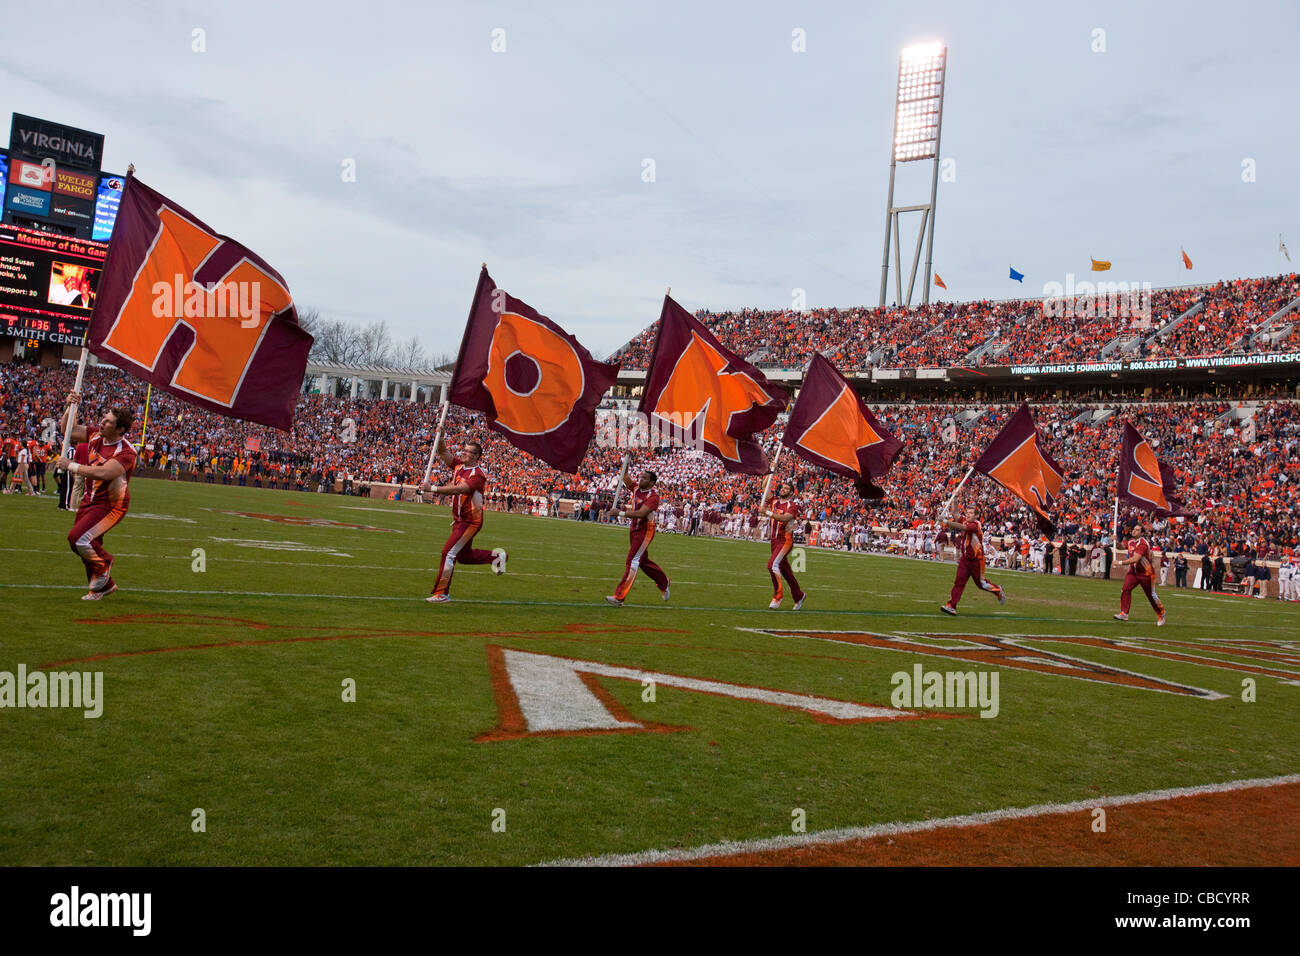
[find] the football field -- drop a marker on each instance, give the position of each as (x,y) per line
(275,690)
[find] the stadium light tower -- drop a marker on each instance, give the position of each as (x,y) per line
(918,119)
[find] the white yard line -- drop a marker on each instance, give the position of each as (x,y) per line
(651,605)
(850,834)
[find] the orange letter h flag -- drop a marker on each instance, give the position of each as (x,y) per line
(197,314)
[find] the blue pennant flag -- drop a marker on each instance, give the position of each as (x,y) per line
(1018,276)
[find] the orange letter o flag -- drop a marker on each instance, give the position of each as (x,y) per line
(534,376)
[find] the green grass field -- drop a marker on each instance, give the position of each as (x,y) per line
(243,715)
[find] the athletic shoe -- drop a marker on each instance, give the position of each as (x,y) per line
(775,605)
(948,609)
(100,594)
(1002,596)
(1121,616)
(438,598)
(502,568)
(799,603)
(610,599)
(665,592)
(1160,620)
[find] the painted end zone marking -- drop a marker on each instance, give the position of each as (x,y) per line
(547,695)
(995,650)
(827,838)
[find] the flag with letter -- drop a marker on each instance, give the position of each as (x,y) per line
(1281,247)
(832,428)
(1018,276)
(939,282)
(535,382)
(1099,265)
(197,314)
(1143,481)
(717,399)
(1016,461)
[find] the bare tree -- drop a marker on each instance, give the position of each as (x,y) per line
(337,343)
(377,347)
(411,354)
(309,319)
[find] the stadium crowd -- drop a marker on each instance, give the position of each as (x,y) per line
(1241,479)
(945,334)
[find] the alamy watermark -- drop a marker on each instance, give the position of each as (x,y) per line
(191,300)
(80,690)
(629,429)
(1103,299)
(950,690)
(75,908)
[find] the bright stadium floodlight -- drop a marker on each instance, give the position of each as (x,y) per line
(918,118)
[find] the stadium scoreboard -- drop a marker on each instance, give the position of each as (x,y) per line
(48,285)
(51,180)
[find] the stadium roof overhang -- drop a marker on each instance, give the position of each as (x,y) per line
(1245,367)
(379,372)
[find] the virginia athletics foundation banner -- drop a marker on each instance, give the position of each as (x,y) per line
(1096,368)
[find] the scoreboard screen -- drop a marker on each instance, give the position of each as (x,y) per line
(47,285)
(107,200)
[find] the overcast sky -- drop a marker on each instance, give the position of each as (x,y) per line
(770,166)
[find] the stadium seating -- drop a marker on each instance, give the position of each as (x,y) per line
(1247,493)
(1230,318)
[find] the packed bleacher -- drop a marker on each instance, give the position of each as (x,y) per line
(1241,478)
(1008,332)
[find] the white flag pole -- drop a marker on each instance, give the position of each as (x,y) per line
(969,471)
(437,439)
(72,409)
(770,475)
(622,477)
(85,354)
(446,402)
(1114,529)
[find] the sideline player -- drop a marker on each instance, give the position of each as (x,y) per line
(1140,573)
(783,511)
(969,542)
(110,462)
(645,502)
(469,486)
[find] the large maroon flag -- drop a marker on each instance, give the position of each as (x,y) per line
(197,314)
(716,398)
(831,427)
(1016,460)
(535,382)
(1143,481)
